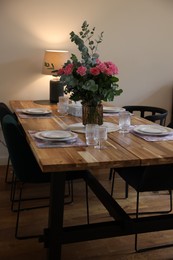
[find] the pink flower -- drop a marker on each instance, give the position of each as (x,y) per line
(102,67)
(112,69)
(60,72)
(81,70)
(68,69)
(95,71)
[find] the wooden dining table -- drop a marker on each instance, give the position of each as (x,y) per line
(122,150)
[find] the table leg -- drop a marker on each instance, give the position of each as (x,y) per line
(56,213)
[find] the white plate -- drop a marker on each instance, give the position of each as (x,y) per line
(36,111)
(80,128)
(39,135)
(113,109)
(152,130)
(56,134)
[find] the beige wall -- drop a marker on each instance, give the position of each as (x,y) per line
(137,37)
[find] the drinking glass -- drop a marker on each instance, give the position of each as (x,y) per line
(63,105)
(124,121)
(101,137)
(90,133)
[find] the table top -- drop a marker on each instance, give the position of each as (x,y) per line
(122,149)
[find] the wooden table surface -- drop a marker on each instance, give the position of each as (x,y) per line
(122,150)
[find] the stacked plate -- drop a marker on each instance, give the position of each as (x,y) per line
(112,109)
(56,135)
(80,128)
(154,130)
(36,111)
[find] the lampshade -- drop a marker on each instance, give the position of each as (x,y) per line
(53,60)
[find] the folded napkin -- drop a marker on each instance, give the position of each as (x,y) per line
(22,115)
(151,138)
(48,144)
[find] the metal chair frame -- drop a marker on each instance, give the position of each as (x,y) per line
(143,179)
(31,174)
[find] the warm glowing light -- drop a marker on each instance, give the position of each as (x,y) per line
(53,60)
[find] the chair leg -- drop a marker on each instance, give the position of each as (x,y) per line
(19,209)
(126,190)
(70,192)
(18,215)
(18,212)
(157,212)
(13,198)
(87,202)
(137,213)
(7,171)
(170,193)
(113,180)
(13,192)
(113,172)
(136,235)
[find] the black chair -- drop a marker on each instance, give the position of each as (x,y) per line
(153,114)
(25,166)
(4,110)
(146,179)
(170,125)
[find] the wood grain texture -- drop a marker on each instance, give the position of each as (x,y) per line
(56,159)
(122,150)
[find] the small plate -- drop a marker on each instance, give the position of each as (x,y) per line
(112,109)
(56,134)
(152,130)
(40,135)
(36,111)
(80,128)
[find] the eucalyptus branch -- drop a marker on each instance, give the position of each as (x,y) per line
(86,35)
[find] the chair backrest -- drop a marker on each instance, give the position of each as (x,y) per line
(157,177)
(154,114)
(148,178)
(23,161)
(4,110)
(170,124)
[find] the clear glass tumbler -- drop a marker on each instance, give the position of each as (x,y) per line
(124,121)
(63,105)
(101,137)
(90,133)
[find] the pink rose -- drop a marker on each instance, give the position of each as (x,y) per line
(81,70)
(112,69)
(101,67)
(60,72)
(95,71)
(68,69)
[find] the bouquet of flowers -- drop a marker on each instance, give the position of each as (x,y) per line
(89,79)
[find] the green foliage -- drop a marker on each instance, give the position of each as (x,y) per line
(88,86)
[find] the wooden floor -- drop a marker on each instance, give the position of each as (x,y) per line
(33,222)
